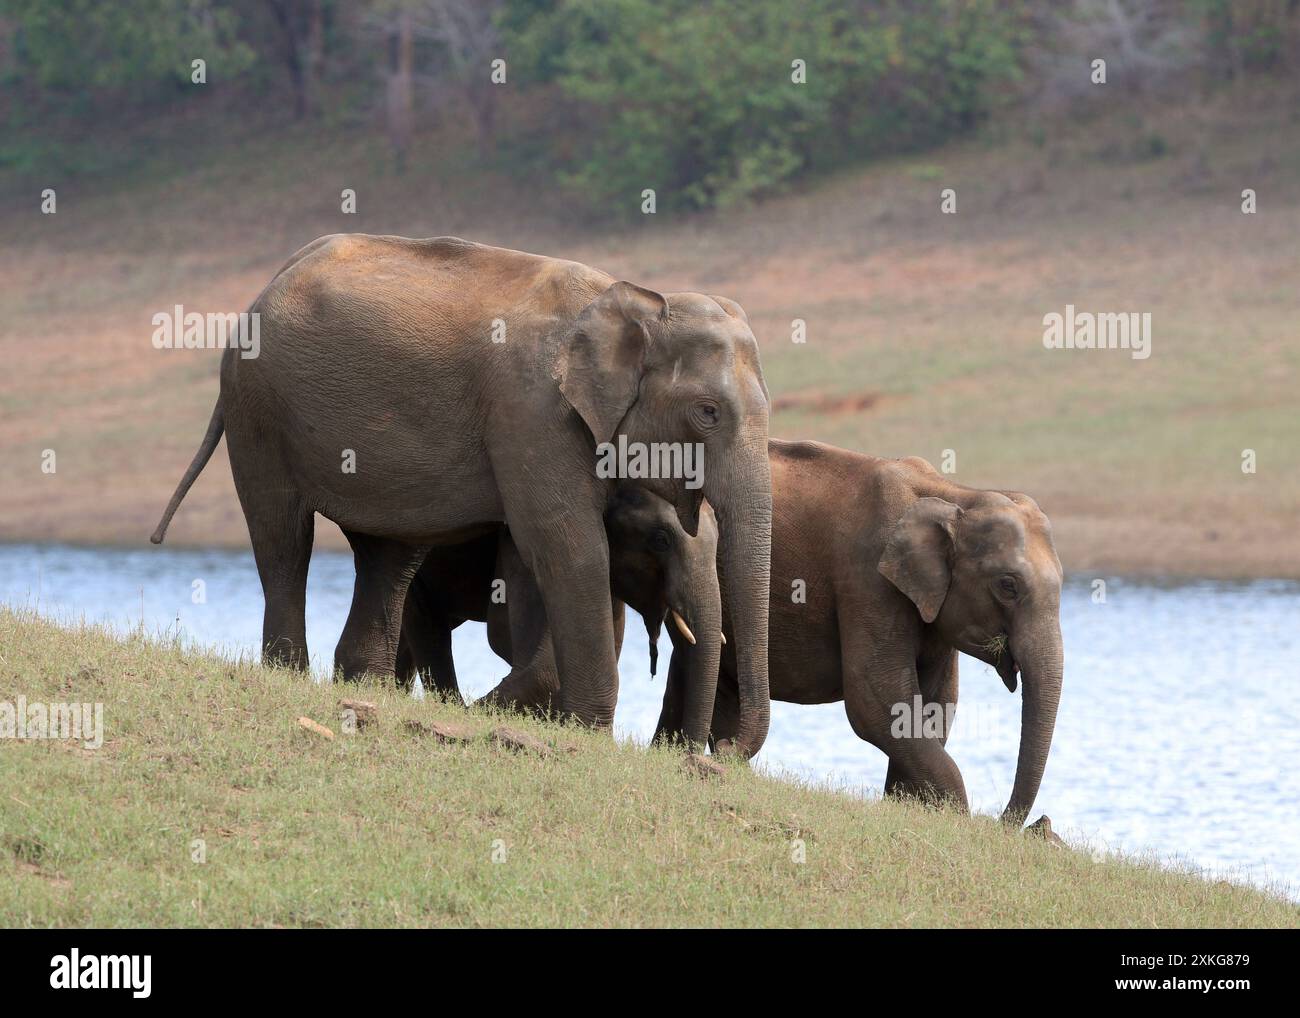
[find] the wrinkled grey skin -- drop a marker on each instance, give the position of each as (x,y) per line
(902,569)
(655,566)
(379,351)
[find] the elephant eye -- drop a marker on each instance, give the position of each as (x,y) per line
(708,414)
(1007,586)
(659,540)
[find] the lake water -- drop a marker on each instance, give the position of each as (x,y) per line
(1178,732)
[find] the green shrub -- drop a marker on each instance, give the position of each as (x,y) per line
(697,99)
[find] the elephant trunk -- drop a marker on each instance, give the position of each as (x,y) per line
(702,660)
(1041,662)
(742,499)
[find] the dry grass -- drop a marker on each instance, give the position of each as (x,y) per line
(924,330)
(387,827)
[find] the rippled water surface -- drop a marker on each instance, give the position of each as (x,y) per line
(1179,728)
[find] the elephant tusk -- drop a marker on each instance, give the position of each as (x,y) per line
(683,628)
(723,636)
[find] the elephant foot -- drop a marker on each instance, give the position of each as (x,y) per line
(446,696)
(525,692)
(514,705)
(732,750)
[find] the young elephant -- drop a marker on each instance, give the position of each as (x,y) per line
(655,566)
(882,570)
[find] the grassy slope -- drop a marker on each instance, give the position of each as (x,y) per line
(389,828)
(924,329)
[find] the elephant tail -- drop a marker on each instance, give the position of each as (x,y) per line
(215,427)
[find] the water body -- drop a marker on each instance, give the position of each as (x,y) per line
(1178,732)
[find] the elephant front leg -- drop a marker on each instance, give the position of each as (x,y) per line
(673,713)
(555,511)
(937,678)
(726,715)
(580,618)
(370,638)
(518,633)
(533,686)
(884,704)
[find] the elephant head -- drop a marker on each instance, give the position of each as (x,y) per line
(987,576)
(677,379)
(662,571)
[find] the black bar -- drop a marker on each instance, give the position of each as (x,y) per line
(215,967)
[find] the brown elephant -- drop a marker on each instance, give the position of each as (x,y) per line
(882,570)
(423,392)
(656,567)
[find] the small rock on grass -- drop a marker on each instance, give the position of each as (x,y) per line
(519,742)
(1042,828)
(702,766)
(365,712)
(443,731)
(315,727)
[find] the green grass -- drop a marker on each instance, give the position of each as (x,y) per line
(386,827)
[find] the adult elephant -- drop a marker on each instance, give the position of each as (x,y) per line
(422,392)
(656,567)
(882,570)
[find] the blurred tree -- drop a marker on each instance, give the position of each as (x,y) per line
(400,98)
(466,35)
(709,102)
(703,101)
(1148,45)
(1251,35)
(83,46)
(445,45)
(302,32)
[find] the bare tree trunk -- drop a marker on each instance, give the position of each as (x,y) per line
(315,54)
(6,53)
(483,101)
(400,89)
(284,13)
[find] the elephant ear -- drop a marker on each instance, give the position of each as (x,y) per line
(918,555)
(600,369)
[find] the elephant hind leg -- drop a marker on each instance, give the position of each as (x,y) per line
(404,667)
(281,529)
(371,635)
(424,648)
(427,656)
(438,666)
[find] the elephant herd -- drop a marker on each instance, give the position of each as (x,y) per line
(445,403)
